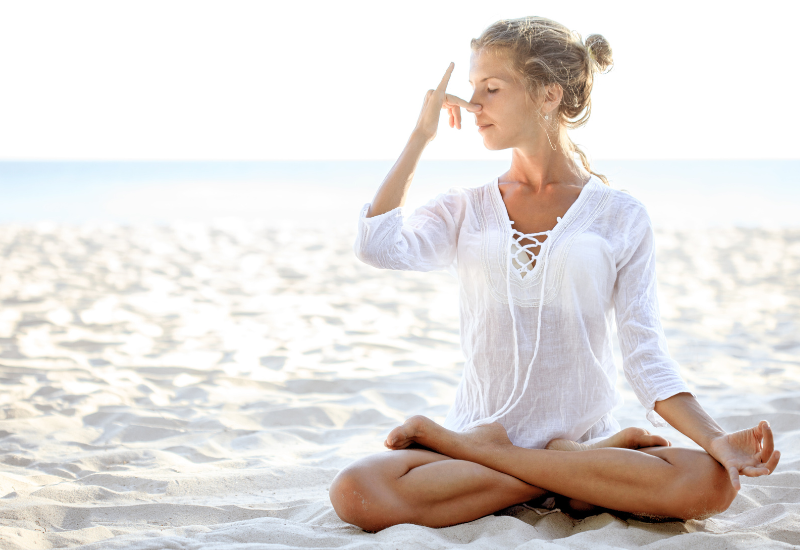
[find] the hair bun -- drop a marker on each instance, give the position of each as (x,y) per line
(599,50)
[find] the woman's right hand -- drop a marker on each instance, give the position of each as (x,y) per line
(437,100)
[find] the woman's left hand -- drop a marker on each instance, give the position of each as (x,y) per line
(746,452)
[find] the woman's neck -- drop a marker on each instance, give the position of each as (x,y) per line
(544,167)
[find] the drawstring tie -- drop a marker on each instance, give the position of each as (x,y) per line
(544,254)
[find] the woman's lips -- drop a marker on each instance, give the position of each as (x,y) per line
(482,127)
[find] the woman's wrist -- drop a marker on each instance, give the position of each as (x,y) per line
(706,440)
(421,137)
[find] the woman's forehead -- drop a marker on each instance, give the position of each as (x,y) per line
(484,65)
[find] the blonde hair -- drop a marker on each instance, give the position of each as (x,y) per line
(545,52)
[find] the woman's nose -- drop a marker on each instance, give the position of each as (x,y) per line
(474,97)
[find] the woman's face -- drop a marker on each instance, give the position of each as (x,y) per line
(508,118)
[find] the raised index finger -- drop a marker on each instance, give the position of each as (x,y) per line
(446,78)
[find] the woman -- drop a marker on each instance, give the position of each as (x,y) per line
(546,255)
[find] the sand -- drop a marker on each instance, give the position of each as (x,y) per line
(199,386)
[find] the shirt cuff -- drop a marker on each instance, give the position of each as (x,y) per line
(394,213)
(373,231)
(654,418)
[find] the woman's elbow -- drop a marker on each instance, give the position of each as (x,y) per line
(370,256)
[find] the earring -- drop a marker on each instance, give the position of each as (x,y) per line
(547,118)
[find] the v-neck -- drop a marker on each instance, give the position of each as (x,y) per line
(568,215)
(561,223)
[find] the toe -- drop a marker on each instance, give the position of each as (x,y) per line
(404,435)
(566,445)
(658,441)
(397,439)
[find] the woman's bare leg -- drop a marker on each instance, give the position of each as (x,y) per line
(628,438)
(666,482)
(428,488)
(422,487)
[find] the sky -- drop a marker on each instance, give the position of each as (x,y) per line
(270,80)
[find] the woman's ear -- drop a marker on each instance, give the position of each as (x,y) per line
(552,96)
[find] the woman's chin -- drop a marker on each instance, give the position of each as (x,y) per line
(492,146)
(489,144)
(495,143)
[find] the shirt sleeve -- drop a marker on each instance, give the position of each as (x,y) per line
(649,369)
(426,241)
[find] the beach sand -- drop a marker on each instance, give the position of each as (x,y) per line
(199,386)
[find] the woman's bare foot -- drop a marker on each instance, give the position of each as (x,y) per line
(629,438)
(424,431)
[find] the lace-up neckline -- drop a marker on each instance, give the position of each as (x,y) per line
(523,258)
(520,250)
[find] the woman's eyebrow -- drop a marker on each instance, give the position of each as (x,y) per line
(487,78)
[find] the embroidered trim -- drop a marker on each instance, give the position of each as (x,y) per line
(523,265)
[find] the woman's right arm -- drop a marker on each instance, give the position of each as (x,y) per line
(394,189)
(425,241)
(392,192)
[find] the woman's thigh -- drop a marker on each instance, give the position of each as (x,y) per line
(422,487)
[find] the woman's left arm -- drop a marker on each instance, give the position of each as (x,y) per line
(748,452)
(654,376)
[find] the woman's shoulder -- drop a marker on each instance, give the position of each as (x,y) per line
(625,208)
(465,195)
(622,198)
(475,190)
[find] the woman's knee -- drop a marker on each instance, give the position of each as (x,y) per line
(717,490)
(361,496)
(704,488)
(347,494)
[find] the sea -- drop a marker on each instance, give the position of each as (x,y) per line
(677,193)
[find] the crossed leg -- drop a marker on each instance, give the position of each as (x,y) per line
(422,487)
(469,475)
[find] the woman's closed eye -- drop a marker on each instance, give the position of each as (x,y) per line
(491,91)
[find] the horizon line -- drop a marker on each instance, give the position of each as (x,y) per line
(143,160)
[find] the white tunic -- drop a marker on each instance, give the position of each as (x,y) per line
(542,363)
